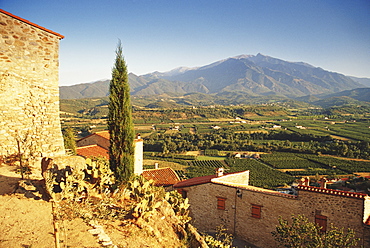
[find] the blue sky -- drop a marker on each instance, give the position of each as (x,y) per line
(160,35)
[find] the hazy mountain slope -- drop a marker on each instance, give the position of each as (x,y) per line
(98,88)
(262,75)
(364,81)
(85,90)
(360,94)
(330,81)
(336,101)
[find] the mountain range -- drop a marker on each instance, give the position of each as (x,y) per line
(247,75)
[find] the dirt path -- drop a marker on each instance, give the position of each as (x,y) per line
(27,221)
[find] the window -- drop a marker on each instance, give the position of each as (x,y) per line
(221,203)
(256,211)
(321,220)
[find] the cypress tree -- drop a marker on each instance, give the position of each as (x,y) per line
(120,125)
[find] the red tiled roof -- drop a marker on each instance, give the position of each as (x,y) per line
(104,134)
(195,181)
(31,23)
(92,151)
(162,176)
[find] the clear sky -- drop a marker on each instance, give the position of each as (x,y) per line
(160,35)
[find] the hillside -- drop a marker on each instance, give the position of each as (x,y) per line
(258,75)
(364,81)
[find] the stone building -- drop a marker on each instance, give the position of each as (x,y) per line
(252,213)
(29,93)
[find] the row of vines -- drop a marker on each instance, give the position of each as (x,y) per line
(261,175)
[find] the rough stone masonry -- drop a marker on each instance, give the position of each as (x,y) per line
(29,93)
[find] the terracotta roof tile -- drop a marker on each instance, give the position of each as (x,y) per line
(162,176)
(92,151)
(31,23)
(104,134)
(195,181)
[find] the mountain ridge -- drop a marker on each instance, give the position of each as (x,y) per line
(256,75)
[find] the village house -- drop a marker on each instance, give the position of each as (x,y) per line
(97,145)
(251,213)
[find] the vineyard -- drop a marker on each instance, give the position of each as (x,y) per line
(198,168)
(313,164)
(261,175)
(352,130)
(285,160)
(207,163)
(347,166)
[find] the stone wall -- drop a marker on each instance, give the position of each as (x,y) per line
(29,93)
(348,211)
(203,206)
(258,230)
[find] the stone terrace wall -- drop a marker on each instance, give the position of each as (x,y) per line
(29,93)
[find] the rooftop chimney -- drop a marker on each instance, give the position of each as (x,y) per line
(307,181)
(304,181)
(323,182)
(219,172)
